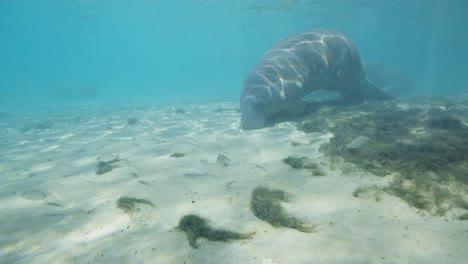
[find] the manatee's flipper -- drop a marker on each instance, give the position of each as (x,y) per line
(252,117)
(253,114)
(373,92)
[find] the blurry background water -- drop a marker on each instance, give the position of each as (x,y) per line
(148,50)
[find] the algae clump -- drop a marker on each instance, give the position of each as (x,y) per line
(128,204)
(222,160)
(299,163)
(132,120)
(422,143)
(295,162)
(265,205)
(463,216)
(368,192)
(195,226)
(106,166)
(177,155)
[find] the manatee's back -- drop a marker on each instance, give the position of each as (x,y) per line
(283,72)
(303,63)
(344,70)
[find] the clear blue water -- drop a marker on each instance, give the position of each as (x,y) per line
(89,50)
(93,108)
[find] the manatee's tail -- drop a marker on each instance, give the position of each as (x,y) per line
(366,91)
(371,91)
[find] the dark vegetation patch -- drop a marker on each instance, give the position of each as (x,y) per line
(128,204)
(107,166)
(132,120)
(223,160)
(295,143)
(195,226)
(265,205)
(178,155)
(422,142)
(463,216)
(300,163)
(316,124)
(368,192)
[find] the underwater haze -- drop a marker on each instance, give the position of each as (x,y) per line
(150,50)
(216,131)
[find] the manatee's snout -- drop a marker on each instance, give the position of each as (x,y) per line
(251,119)
(252,114)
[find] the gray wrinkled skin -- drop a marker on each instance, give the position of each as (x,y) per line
(297,66)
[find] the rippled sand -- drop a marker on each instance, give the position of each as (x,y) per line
(56,208)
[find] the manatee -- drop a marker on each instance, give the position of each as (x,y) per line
(297,66)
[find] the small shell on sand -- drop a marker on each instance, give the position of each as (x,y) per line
(33,195)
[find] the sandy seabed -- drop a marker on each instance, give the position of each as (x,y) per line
(56,208)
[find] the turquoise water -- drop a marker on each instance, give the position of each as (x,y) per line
(88,50)
(121,138)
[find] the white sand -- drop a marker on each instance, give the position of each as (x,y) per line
(78,221)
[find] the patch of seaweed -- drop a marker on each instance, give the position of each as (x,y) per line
(107,166)
(195,226)
(316,124)
(178,155)
(423,142)
(265,205)
(128,204)
(368,192)
(303,163)
(463,216)
(223,160)
(132,120)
